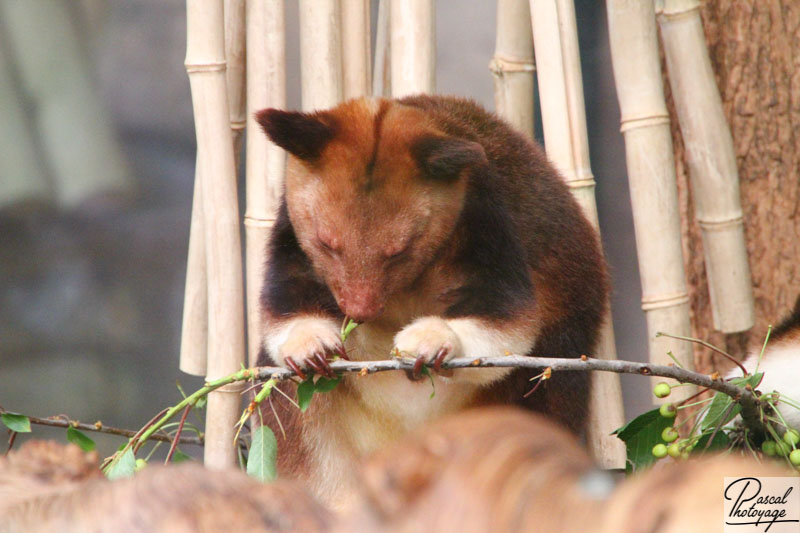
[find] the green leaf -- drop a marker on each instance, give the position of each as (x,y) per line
(122,467)
(325,384)
(18,423)
(261,464)
(179,457)
(348,328)
(719,405)
(201,402)
(640,435)
(80,439)
(304,393)
(751,379)
(426,372)
(720,442)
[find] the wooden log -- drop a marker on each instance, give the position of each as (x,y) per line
(651,172)
(512,65)
(320,54)
(24,177)
(266,87)
(205,64)
(356,48)
(74,131)
(194,328)
(712,165)
(235,72)
(382,72)
(413,47)
(567,144)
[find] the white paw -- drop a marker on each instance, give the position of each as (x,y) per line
(305,341)
(428,338)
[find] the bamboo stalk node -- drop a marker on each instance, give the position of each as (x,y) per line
(238,125)
(668,300)
(719,225)
(676,10)
(501,65)
(256,222)
(645,121)
(578,183)
(217,66)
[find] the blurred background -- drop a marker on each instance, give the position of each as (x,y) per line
(97,154)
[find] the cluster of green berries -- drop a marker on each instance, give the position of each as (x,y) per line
(662,390)
(786,446)
(673,448)
(678,449)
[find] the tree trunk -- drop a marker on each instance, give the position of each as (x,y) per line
(755,52)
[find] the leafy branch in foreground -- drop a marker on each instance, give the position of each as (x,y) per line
(715,424)
(648,437)
(750,404)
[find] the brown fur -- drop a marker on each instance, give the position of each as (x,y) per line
(497,469)
(437,226)
(58,488)
(680,498)
(504,470)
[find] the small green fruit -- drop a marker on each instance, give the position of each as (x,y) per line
(668,410)
(791,437)
(659,451)
(674,450)
(669,434)
(768,447)
(782,448)
(794,457)
(140,463)
(662,390)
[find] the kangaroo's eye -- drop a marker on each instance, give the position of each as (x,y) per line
(328,243)
(396,252)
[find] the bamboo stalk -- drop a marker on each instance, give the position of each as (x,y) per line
(512,65)
(413,47)
(555,37)
(382,72)
(205,64)
(651,172)
(23,176)
(266,87)
(194,329)
(74,131)
(234,11)
(355,48)
(712,165)
(320,54)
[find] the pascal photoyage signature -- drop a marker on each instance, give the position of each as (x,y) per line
(750,507)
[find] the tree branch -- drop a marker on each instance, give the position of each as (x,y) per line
(99,427)
(749,402)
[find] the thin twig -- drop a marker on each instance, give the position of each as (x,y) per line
(707,345)
(99,427)
(719,426)
(174,445)
(12,436)
(136,442)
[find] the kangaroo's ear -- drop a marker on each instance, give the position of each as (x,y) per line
(303,135)
(444,158)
